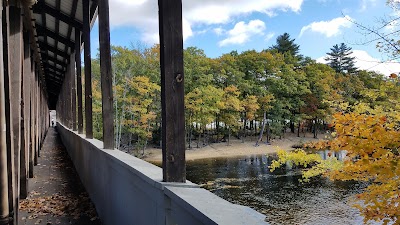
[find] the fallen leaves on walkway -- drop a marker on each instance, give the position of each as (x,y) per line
(59,205)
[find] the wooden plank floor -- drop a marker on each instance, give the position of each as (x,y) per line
(56,195)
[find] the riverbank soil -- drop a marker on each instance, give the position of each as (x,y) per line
(236,148)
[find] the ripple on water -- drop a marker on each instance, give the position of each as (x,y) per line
(279,195)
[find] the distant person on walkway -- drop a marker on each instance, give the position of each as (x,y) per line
(52,122)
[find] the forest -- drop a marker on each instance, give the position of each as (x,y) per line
(253,95)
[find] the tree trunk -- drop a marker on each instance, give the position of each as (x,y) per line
(204,136)
(244,130)
(229,136)
(198,139)
(145,142)
(190,136)
(298,130)
(292,127)
(268,133)
(262,129)
(315,128)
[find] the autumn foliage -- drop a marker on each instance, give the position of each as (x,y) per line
(372,143)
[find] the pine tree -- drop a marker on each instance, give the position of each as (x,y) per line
(340,59)
(286,45)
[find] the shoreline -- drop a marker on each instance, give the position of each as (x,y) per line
(237,148)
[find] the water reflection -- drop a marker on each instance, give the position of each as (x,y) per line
(278,195)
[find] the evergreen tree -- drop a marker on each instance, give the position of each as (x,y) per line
(340,60)
(285,45)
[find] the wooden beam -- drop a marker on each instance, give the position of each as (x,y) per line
(35,112)
(57,29)
(54,79)
(106,75)
(25,129)
(73,13)
(78,64)
(44,47)
(4,205)
(172,90)
(42,7)
(15,51)
(55,68)
(9,131)
(73,91)
(54,76)
(32,121)
(88,70)
(55,60)
(44,32)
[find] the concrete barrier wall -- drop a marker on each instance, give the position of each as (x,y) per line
(130,191)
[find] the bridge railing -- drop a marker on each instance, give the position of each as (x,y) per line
(127,190)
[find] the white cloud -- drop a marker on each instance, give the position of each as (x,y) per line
(242,32)
(328,28)
(269,36)
(143,14)
(221,11)
(364,61)
(219,31)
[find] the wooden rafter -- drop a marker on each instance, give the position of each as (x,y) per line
(44,46)
(42,7)
(42,31)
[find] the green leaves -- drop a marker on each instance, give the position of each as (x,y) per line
(340,60)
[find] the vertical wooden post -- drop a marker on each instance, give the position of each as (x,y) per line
(35,108)
(26,104)
(88,69)
(15,51)
(79,79)
(106,75)
(73,91)
(32,119)
(9,127)
(67,91)
(4,209)
(172,90)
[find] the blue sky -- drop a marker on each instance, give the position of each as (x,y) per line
(220,26)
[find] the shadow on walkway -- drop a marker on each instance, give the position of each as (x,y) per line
(56,194)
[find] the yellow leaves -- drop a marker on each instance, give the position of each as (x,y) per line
(203,103)
(299,157)
(142,86)
(372,143)
(265,102)
(250,106)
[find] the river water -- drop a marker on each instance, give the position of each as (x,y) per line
(278,195)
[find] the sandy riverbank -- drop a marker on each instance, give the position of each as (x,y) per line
(235,149)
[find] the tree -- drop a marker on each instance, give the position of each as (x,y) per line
(285,45)
(231,108)
(201,105)
(265,105)
(340,60)
(141,95)
(372,143)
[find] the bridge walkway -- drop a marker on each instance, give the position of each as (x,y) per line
(56,194)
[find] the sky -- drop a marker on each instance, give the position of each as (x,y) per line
(221,26)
